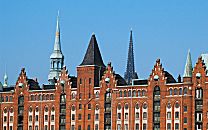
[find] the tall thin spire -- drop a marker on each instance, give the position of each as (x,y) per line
(130,69)
(5,78)
(56,58)
(188,66)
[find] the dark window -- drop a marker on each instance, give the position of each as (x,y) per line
(119,116)
(180,91)
(134,93)
(96,127)
(137,126)
(144,115)
(36,117)
(36,127)
(125,93)
(79,127)
(143,93)
(5,119)
(10,128)
(185,91)
(120,93)
(80,106)
(52,127)
(46,117)
(89,116)
(97,94)
(175,91)
(170,91)
(96,116)
(144,126)
(129,93)
(176,115)
(176,126)
(185,120)
(30,117)
(169,126)
(52,117)
(137,115)
(10,98)
(72,127)
(185,108)
(80,81)
(126,116)
(11,119)
(79,116)
(89,106)
(46,127)
(88,127)
(73,116)
(30,127)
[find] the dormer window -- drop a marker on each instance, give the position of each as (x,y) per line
(156,77)
(198,75)
(107,80)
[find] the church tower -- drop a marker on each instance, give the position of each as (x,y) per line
(56,58)
(130,70)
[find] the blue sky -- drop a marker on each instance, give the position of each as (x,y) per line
(161,29)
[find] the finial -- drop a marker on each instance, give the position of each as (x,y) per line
(93,33)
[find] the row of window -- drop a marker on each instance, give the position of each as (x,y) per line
(133,93)
(126,126)
(45,109)
(181,91)
(46,118)
(126,115)
(42,97)
(6,99)
(45,127)
(126,106)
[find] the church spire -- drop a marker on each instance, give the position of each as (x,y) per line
(188,66)
(130,69)
(5,79)
(57,58)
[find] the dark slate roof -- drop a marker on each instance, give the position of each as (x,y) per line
(33,85)
(7,89)
(140,82)
(170,78)
(120,80)
(48,86)
(93,55)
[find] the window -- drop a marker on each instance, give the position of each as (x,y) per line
(185,120)
(4,127)
(30,118)
(96,116)
(120,93)
(126,127)
(168,115)
(88,127)
(144,115)
(52,97)
(118,127)
(97,94)
(176,115)
(36,117)
(176,126)
(72,127)
(73,117)
(169,126)
(119,116)
(46,117)
(143,93)
(89,106)
(5,119)
(137,126)
(52,117)
(125,93)
(134,93)
(177,105)
(185,108)
(80,106)
(180,91)
(30,127)
(11,118)
(88,116)
(45,127)
(175,91)
(73,96)
(170,91)
(144,126)
(126,106)
(185,91)
(126,116)
(80,81)
(129,93)
(139,94)
(144,106)
(36,127)
(90,80)
(79,117)
(79,127)
(10,99)
(10,128)
(96,126)
(137,115)
(119,106)
(52,127)
(137,106)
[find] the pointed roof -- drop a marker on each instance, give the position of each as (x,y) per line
(188,66)
(57,45)
(93,55)
(130,69)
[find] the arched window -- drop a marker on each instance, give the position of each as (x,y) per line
(46,109)
(63,98)
(180,91)
(170,91)
(73,96)
(47,97)
(129,93)
(177,105)
(134,93)
(97,94)
(185,91)
(120,93)
(125,93)
(119,107)
(73,108)
(143,93)
(175,91)
(51,97)
(6,99)
(126,106)
(32,98)
(139,93)
(145,106)
(39,97)
(44,97)
(137,106)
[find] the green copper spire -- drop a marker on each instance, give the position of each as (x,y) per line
(188,66)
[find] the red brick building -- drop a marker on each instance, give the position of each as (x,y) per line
(100,99)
